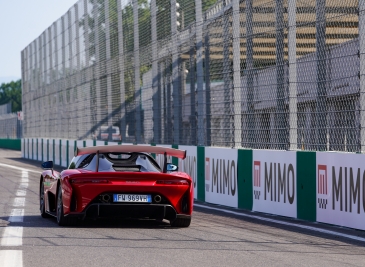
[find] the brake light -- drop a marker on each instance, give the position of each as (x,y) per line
(88,181)
(173,182)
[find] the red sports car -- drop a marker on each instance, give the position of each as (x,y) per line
(117,181)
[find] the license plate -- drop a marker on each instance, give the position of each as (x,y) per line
(132,198)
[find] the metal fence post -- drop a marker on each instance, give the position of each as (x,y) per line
(199,72)
(89,106)
(192,66)
(227,117)
(250,71)
(168,103)
(57,115)
(292,46)
(78,74)
(176,84)
(97,111)
(237,90)
(43,112)
(121,70)
(63,77)
(109,71)
(156,97)
(280,94)
(50,115)
(40,84)
(362,73)
(137,86)
(321,108)
(207,130)
(161,89)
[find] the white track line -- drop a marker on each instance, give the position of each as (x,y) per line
(18,168)
(23,186)
(12,236)
(19,202)
(21,193)
(11,258)
(311,228)
(16,215)
(25,178)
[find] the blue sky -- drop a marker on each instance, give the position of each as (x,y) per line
(22,21)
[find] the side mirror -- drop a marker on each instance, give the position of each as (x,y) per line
(171,167)
(48,165)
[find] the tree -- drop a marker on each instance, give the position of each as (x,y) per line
(12,92)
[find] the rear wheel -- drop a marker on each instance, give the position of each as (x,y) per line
(181,222)
(42,202)
(63,220)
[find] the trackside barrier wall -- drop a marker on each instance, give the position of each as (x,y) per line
(190,164)
(274,182)
(14,144)
(315,186)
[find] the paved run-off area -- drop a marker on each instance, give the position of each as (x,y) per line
(214,238)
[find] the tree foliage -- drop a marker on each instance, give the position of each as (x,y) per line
(12,92)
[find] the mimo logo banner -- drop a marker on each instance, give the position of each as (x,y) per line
(322,186)
(341,189)
(274,182)
(160,159)
(189,165)
(221,176)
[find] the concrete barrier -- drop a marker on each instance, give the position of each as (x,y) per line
(14,144)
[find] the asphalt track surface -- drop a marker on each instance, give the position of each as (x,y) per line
(215,238)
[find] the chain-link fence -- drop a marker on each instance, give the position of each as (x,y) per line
(283,74)
(10,126)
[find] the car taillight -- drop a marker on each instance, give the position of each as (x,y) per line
(173,182)
(88,181)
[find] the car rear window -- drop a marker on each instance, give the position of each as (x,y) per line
(111,162)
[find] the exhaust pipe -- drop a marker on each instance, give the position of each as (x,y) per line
(105,198)
(157,198)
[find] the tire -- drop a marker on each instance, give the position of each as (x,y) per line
(42,208)
(181,222)
(63,220)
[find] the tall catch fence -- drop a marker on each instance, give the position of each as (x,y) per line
(10,126)
(284,74)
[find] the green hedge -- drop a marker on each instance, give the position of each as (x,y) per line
(14,144)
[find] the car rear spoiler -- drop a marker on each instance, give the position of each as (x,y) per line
(131,148)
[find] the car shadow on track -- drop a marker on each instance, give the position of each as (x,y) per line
(37,221)
(272,228)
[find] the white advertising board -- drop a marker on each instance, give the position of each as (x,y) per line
(221,176)
(89,143)
(340,189)
(39,149)
(26,150)
(100,143)
(45,158)
(189,165)
(33,148)
(23,147)
(274,182)
(71,149)
(57,152)
(160,157)
(50,150)
(64,152)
